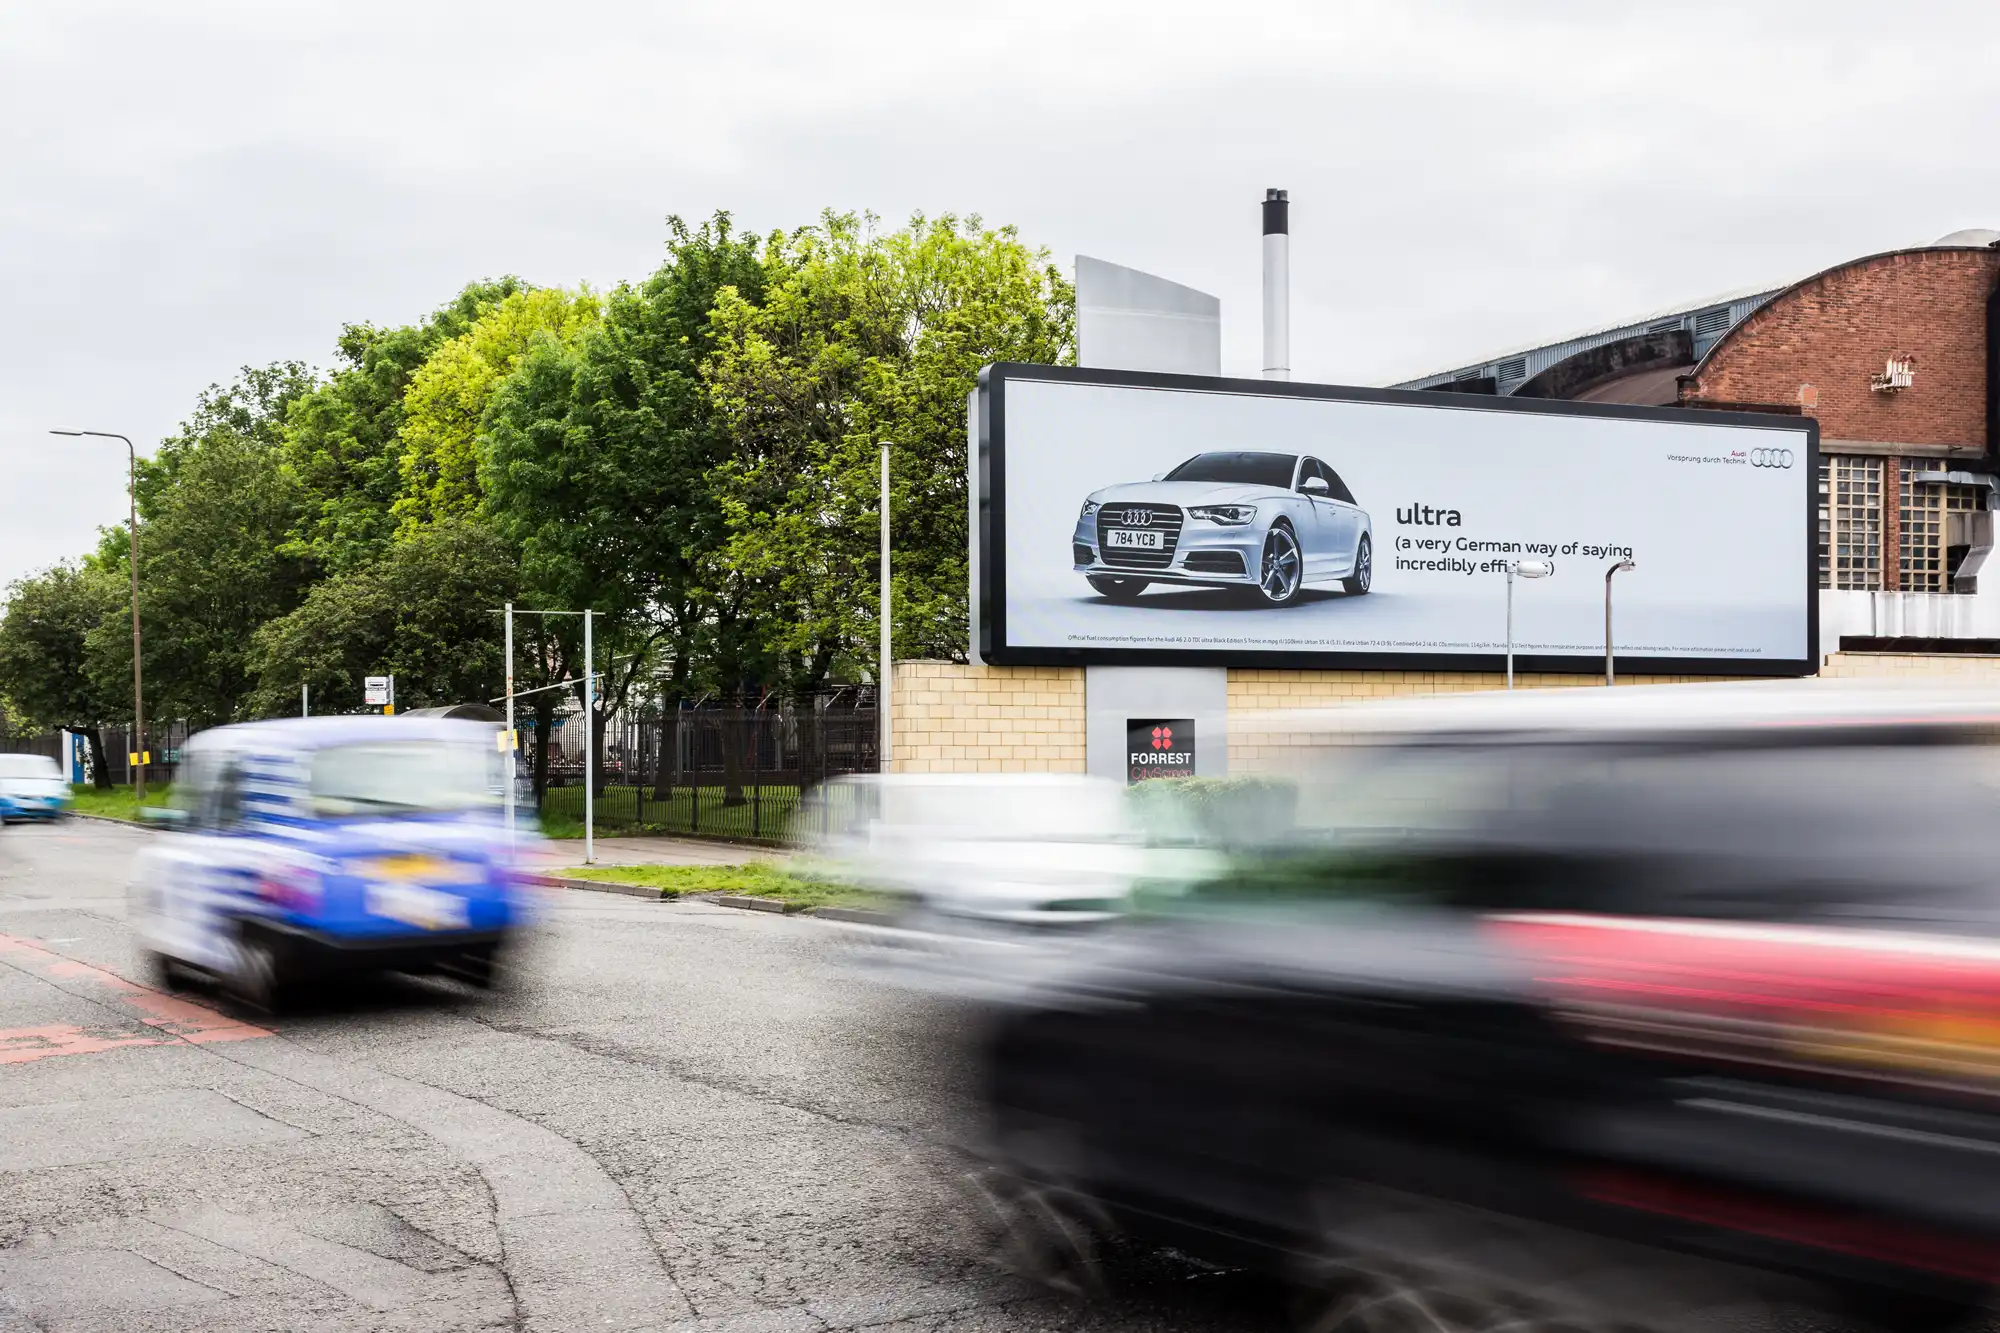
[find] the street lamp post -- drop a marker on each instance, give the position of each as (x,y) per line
(1620,565)
(886,740)
(138,679)
(1527,569)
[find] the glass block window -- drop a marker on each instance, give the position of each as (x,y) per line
(1850,522)
(1924,506)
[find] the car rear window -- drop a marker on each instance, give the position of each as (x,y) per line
(1249,469)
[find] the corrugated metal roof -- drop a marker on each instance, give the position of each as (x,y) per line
(1540,356)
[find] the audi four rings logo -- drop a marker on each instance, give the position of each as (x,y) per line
(1770,458)
(1137,518)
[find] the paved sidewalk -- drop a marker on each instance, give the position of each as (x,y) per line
(663,852)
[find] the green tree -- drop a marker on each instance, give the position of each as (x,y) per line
(45,673)
(343,442)
(215,507)
(421,611)
(863,337)
(597,457)
(449,393)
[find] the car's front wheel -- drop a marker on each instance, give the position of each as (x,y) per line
(1118,590)
(1281,570)
(1364,569)
(262,980)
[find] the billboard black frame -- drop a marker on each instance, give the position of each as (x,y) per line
(989,515)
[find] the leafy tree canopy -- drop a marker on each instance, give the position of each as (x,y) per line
(216,507)
(44,674)
(598,454)
(343,442)
(421,611)
(863,337)
(448,396)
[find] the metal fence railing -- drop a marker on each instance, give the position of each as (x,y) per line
(737,773)
(163,741)
(728,773)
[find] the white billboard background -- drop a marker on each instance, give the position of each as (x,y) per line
(1721,546)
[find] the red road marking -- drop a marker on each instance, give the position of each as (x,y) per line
(170,1017)
(20,1045)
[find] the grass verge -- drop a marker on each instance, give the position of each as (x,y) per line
(116,802)
(756,880)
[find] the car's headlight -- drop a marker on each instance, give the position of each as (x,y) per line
(1232,514)
(1089,508)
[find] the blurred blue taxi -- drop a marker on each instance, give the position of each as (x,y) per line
(32,787)
(309,847)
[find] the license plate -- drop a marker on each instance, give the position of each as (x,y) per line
(426,909)
(1132,541)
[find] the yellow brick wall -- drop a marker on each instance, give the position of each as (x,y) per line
(1963,668)
(952,717)
(956,718)
(1259,690)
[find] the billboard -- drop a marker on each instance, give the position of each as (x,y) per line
(1129,518)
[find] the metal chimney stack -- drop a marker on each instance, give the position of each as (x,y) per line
(1277,286)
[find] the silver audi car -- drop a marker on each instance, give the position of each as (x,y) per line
(1270,524)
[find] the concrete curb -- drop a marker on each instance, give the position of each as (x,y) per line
(113,819)
(646,891)
(863,916)
(857,915)
(749,904)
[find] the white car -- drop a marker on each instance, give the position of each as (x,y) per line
(32,786)
(992,875)
(1270,524)
(1017,849)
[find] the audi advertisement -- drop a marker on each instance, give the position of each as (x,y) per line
(1129,518)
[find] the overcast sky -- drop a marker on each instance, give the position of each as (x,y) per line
(189,187)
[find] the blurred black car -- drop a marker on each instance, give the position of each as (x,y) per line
(1607,1005)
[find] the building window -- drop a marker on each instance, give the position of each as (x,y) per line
(1850,522)
(1711,321)
(1516,369)
(1924,506)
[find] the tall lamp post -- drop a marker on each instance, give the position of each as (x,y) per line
(886,741)
(1527,569)
(1616,568)
(138,680)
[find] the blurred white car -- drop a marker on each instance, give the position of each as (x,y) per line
(32,786)
(992,876)
(958,850)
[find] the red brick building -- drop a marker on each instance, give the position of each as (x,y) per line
(1898,357)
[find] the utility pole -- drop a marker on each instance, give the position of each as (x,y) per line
(305,701)
(139,752)
(589,747)
(507,742)
(887,739)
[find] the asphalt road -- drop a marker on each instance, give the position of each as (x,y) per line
(681,1116)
